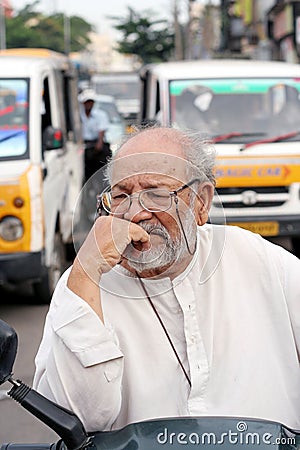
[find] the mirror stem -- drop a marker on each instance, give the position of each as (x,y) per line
(64,422)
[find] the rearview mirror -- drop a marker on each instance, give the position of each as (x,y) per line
(52,138)
(8,350)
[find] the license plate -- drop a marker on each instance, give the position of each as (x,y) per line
(263,228)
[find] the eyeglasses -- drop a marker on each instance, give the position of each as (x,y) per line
(153,200)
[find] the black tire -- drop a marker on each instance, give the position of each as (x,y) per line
(296,246)
(43,289)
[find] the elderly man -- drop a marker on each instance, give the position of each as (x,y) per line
(164,315)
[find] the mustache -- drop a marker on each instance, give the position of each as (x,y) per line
(157,229)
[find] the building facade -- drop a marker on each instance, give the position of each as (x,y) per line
(284,30)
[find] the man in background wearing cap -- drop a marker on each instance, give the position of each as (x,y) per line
(94,125)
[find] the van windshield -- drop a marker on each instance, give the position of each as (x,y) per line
(118,89)
(13,118)
(247,107)
(111,110)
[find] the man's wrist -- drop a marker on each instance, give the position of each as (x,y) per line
(86,286)
(85,275)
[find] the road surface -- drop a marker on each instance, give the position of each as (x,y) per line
(16,424)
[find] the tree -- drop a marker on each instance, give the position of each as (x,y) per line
(79,28)
(151,40)
(30,28)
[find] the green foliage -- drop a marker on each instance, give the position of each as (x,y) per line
(151,40)
(30,28)
(79,30)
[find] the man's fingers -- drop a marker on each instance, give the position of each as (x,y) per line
(137,233)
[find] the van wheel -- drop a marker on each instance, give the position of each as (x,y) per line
(43,289)
(296,246)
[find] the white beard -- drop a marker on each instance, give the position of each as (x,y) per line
(162,255)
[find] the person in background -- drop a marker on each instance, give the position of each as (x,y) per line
(94,126)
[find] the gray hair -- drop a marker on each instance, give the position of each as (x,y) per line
(200,154)
(198,150)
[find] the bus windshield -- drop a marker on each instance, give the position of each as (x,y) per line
(13,118)
(250,107)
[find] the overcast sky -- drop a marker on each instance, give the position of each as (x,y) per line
(96,11)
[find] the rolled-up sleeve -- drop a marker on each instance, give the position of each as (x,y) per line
(79,363)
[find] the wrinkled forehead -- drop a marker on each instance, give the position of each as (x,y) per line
(140,165)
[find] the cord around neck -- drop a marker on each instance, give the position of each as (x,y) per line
(164,329)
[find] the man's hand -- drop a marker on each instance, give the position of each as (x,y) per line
(100,252)
(98,146)
(105,244)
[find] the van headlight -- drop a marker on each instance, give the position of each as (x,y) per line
(11,228)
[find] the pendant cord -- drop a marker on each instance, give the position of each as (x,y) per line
(165,330)
(191,252)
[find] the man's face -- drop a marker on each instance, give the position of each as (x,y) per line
(166,238)
(88,105)
(139,168)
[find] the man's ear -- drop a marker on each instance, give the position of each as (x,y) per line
(203,202)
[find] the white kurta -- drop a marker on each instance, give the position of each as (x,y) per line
(233,316)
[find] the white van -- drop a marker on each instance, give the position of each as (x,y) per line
(41,166)
(251,110)
(124,87)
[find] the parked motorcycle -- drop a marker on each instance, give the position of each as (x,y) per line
(170,434)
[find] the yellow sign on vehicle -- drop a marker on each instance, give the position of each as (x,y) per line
(262,228)
(129,129)
(229,174)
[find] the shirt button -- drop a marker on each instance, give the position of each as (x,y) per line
(193,339)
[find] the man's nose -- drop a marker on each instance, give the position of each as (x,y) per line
(136,211)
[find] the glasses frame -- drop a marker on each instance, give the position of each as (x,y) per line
(173,194)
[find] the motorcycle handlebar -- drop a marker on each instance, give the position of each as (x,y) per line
(64,422)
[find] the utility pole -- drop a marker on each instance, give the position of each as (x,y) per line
(224,26)
(178,34)
(184,44)
(67,34)
(2,27)
(188,31)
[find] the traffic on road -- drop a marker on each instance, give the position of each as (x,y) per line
(47,208)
